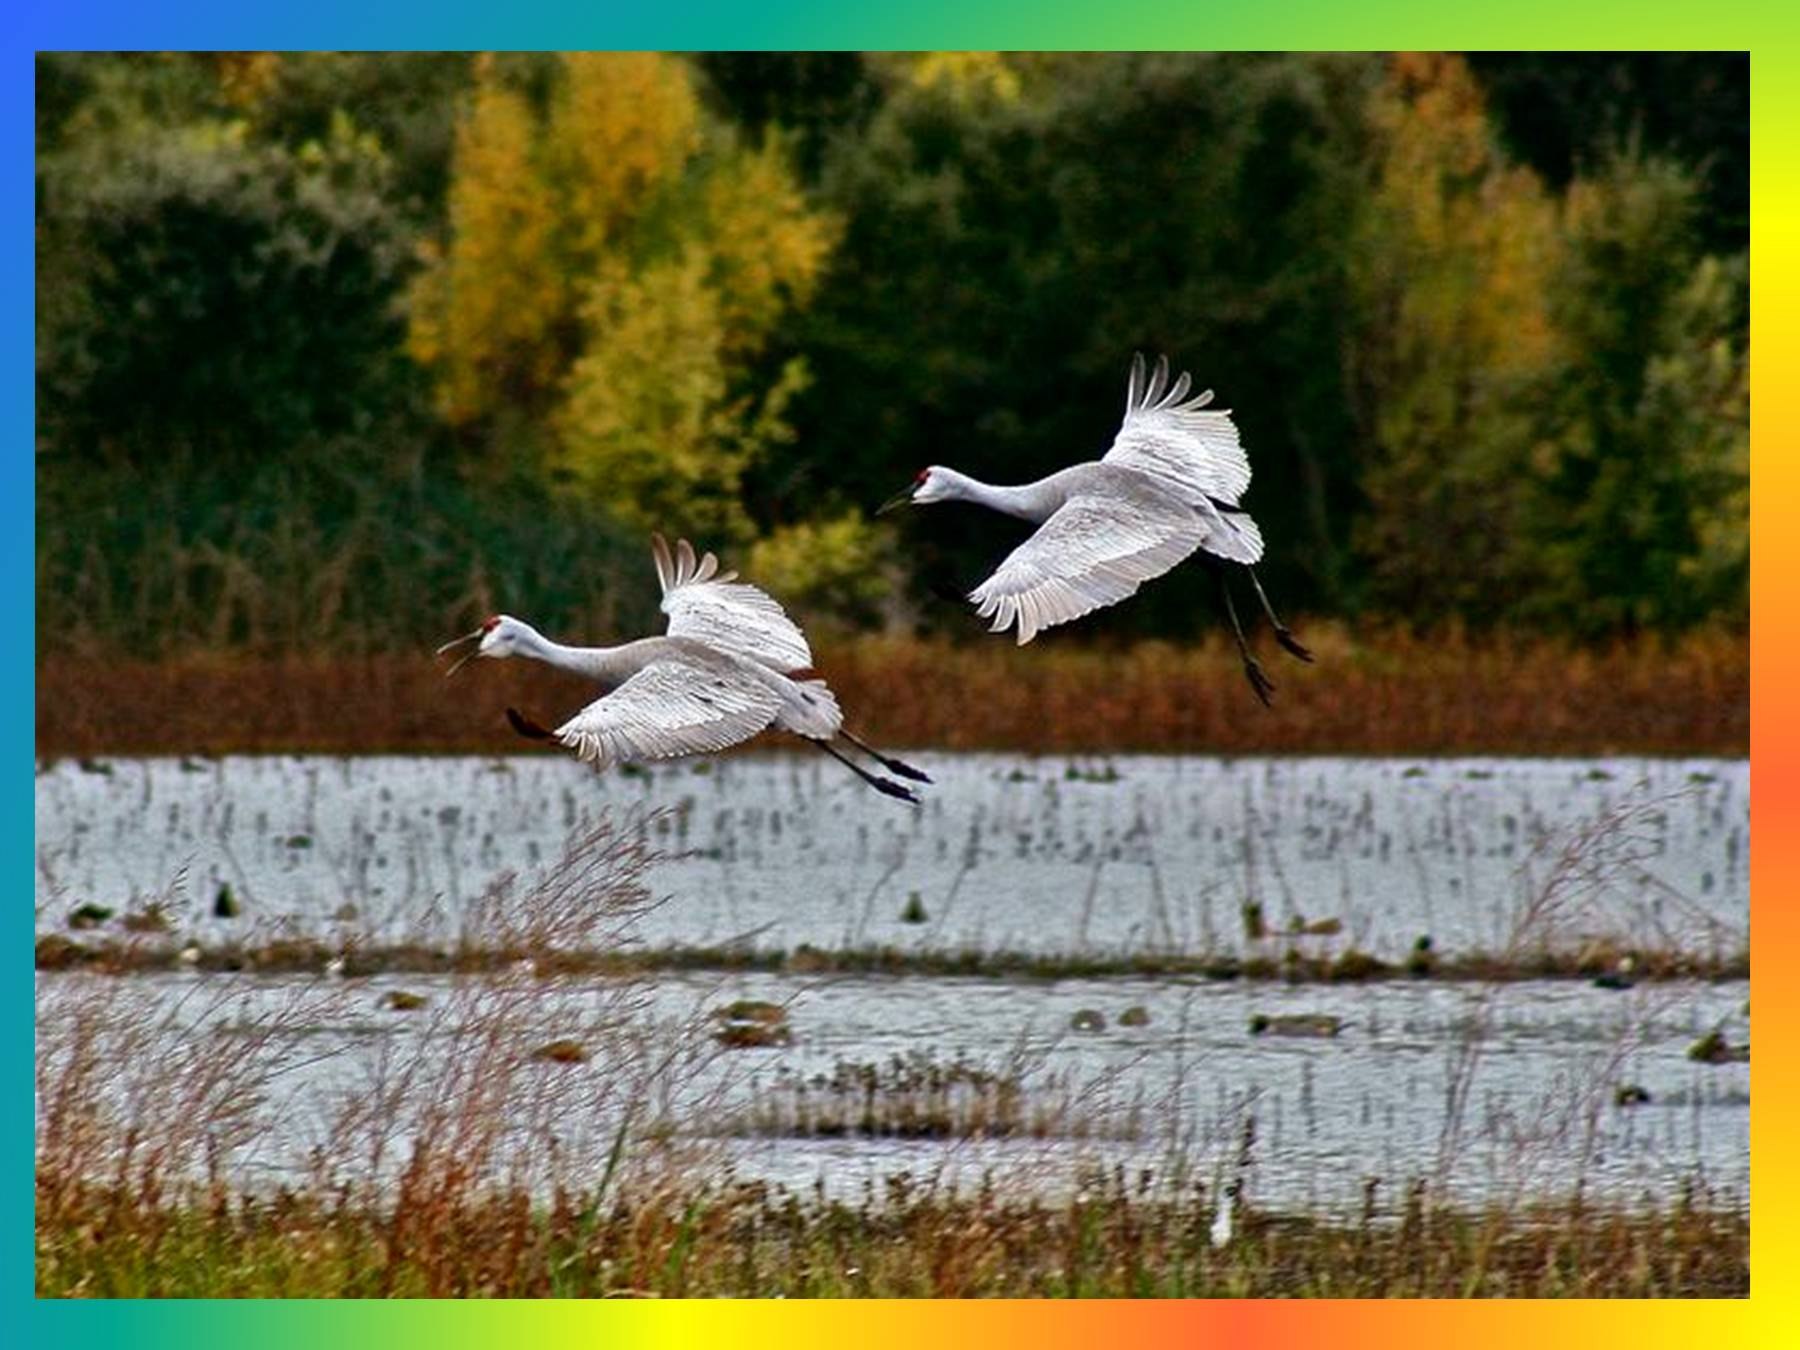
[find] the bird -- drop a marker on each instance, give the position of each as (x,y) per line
(1168,486)
(731,664)
(1221,1224)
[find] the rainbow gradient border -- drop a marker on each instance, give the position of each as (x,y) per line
(1753,25)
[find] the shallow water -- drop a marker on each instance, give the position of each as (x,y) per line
(1105,855)
(1099,856)
(1329,1113)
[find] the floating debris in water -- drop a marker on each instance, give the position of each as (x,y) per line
(1619,977)
(752,1024)
(152,918)
(1631,1094)
(1137,1015)
(402,1000)
(1106,773)
(225,903)
(915,909)
(1088,1019)
(89,915)
(1295,1024)
(1317,928)
(564,1051)
(1712,1048)
(1422,960)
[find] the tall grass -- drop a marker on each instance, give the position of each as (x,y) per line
(1115,1237)
(1371,692)
(151,1106)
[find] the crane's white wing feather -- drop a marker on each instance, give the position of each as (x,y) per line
(1095,550)
(1177,438)
(672,707)
(728,615)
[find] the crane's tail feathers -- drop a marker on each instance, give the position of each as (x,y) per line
(812,711)
(1234,537)
(526,727)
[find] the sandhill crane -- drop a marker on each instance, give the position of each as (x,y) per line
(731,665)
(1169,485)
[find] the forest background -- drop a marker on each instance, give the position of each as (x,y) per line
(337,353)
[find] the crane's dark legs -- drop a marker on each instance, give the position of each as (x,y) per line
(1283,634)
(1259,682)
(887,762)
(886,786)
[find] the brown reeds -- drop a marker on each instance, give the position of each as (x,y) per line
(1381,692)
(286,956)
(152,1101)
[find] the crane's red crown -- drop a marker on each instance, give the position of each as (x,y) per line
(490,623)
(923,475)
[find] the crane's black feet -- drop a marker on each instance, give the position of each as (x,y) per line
(888,762)
(892,789)
(1259,682)
(904,769)
(886,786)
(1291,644)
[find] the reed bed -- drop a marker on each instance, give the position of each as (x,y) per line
(922,1096)
(1371,692)
(127,954)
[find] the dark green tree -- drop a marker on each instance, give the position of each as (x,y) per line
(1011,241)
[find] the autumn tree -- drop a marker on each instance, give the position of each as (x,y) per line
(614,264)
(1451,267)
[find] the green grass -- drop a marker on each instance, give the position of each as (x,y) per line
(909,1240)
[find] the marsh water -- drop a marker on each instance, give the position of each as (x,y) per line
(1094,855)
(1103,856)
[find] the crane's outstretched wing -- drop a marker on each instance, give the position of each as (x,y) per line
(728,615)
(1178,441)
(1094,550)
(672,707)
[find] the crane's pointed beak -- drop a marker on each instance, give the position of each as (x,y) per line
(899,499)
(466,656)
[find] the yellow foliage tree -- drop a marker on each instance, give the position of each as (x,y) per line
(615,267)
(1452,271)
(486,310)
(840,568)
(964,75)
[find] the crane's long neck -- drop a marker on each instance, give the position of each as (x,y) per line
(1028,501)
(607,665)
